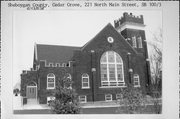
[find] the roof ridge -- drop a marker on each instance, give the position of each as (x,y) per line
(57,45)
(109,24)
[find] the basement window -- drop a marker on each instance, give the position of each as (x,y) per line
(82,99)
(136,80)
(108,97)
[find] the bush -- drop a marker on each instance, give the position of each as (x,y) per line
(66,101)
(133,100)
(156,95)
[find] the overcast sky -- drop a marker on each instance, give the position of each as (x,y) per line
(71,28)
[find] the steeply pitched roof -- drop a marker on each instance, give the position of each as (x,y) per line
(108,29)
(107,26)
(55,53)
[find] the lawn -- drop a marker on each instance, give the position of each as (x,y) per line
(108,110)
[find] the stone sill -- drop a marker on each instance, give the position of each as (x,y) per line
(113,87)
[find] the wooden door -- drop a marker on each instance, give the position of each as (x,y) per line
(31,92)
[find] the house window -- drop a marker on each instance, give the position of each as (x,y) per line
(51,81)
(82,99)
(119,96)
(85,81)
(139,40)
(112,73)
(136,80)
(134,42)
(108,97)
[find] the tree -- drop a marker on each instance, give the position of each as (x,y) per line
(156,70)
(156,61)
(132,100)
(66,101)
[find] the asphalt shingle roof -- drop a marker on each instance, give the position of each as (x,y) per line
(55,53)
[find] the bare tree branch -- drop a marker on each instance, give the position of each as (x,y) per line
(156,55)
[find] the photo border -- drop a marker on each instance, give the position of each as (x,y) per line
(170,67)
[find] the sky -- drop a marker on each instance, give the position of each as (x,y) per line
(65,27)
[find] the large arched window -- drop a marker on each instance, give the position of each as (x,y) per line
(112,73)
(85,81)
(50,81)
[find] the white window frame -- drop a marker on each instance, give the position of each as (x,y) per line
(82,96)
(139,40)
(134,44)
(110,39)
(118,96)
(108,97)
(116,83)
(136,80)
(51,82)
(83,76)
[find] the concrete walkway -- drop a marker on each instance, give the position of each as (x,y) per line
(33,104)
(100,104)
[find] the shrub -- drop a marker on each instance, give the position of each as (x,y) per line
(65,98)
(132,100)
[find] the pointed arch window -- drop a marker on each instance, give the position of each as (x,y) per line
(139,40)
(85,81)
(134,42)
(136,80)
(50,81)
(112,73)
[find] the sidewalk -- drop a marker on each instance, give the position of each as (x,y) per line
(97,104)
(17,104)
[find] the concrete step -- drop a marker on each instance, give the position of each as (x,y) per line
(32,101)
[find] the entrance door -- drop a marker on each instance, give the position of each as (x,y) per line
(31,91)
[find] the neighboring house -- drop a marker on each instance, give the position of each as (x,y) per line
(114,58)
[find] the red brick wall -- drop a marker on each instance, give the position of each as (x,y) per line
(99,44)
(85,60)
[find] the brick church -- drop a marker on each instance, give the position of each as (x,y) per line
(115,57)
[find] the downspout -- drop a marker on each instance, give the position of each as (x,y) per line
(130,70)
(92,73)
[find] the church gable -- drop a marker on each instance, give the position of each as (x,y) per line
(108,38)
